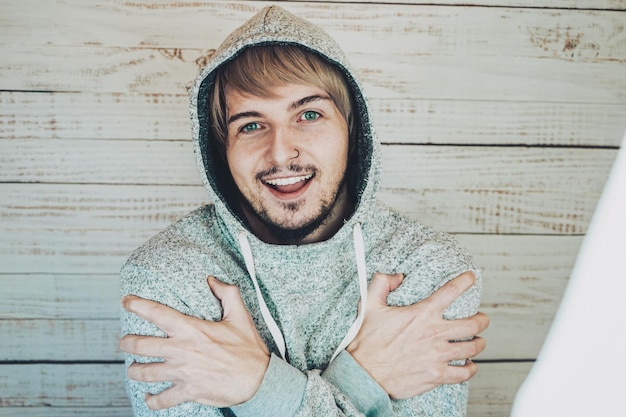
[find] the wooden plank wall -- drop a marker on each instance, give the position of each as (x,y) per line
(500,120)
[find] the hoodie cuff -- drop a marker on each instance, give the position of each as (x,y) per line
(280,393)
(358,386)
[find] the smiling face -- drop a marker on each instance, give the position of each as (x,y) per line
(287,154)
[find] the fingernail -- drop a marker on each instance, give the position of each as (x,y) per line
(469,278)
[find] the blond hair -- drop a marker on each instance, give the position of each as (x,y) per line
(257,69)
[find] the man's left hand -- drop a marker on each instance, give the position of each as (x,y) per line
(220,363)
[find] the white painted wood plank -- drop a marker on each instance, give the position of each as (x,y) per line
(97,69)
(66,411)
(102,116)
(524,279)
(493,389)
(59,340)
(146,71)
(498,122)
(491,78)
(84,229)
(81,386)
(402,52)
(565,4)
(496,190)
(98,161)
(60,296)
(165,117)
(62,385)
(360,28)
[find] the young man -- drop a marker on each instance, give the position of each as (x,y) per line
(295,318)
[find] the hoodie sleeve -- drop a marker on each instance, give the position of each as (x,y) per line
(139,281)
(343,389)
(427,269)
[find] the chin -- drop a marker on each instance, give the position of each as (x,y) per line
(296,230)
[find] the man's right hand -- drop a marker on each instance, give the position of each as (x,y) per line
(407,350)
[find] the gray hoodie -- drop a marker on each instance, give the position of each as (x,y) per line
(311,292)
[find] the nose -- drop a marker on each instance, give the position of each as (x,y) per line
(282,147)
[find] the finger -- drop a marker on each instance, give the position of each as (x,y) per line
(456,374)
(149,372)
(465,349)
(466,328)
(166,399)
(382,285)
(153,346)
(164,317)
(230,297)
(450,291)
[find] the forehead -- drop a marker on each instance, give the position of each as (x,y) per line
(285,95)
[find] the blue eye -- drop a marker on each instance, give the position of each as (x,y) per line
(310,115)
(250,127)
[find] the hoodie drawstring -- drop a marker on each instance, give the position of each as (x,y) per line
(359,252)
(267,316)
(279,340)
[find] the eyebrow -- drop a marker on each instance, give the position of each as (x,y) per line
(241,115)
(307,100)
(293,106)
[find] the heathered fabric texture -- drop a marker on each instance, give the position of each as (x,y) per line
(311,290)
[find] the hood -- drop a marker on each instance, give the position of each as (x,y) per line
(275,25)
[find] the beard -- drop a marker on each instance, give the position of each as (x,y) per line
(288,232)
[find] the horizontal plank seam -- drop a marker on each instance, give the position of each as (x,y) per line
(42,91)
(384,143)
(120,362)
(140,184)
(63,362)
(517,234)
(489,6)
(122,94)
(57,274)
(59,319)
(503,145)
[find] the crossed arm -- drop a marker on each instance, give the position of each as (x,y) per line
(406,350)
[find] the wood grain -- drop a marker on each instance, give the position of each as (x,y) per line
(488,400)
(565,4)
(62,385)
(496,190)
(146,71)
(59,296)
(402,52)
(59,340)
(66,411)
(445,29)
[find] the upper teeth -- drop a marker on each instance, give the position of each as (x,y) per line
(288,181)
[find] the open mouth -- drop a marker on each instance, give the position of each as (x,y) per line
(288,186)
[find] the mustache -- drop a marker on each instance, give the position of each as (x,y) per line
(291,168)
